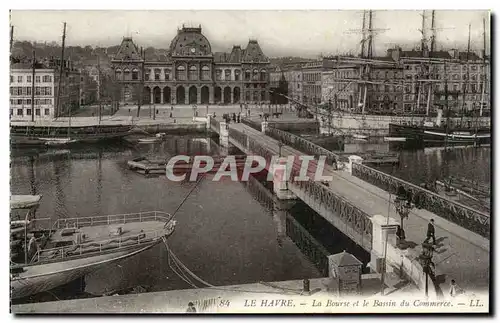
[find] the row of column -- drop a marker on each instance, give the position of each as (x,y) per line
(211,96)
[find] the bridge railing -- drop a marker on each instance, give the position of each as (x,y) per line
(358,221)
(457,213)
(303,145)
(252,124)
(214,124)
(238,136)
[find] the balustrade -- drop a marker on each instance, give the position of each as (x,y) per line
(457,213)
(214,124)
(240,137)
(302,144)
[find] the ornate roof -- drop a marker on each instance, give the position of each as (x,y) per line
(190,42)
(128,51)
(253,53)
(236,54)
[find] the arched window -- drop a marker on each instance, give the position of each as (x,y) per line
(126,74)
(218,75)
(255,75)
(118,74)
(135,74)
(247,75)
(227,75)
(263,75)
(181,73)
(205,73)
(167,74)
(192,73)
(237,75)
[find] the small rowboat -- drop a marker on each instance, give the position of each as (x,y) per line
(397,139)
(358,136)
(149,140)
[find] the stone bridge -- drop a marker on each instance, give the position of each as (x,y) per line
(359,202)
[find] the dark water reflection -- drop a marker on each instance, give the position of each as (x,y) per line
(226,234)
(429,164)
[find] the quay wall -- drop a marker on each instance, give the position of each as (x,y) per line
(376,125)
(172,128)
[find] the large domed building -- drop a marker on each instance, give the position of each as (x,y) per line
(190,73)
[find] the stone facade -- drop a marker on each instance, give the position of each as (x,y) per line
(192,74)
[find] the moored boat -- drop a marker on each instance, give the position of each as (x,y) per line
(52,253)
(438,135)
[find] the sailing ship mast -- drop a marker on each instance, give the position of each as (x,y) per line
(33,67)
(484,69)
(466,83)
(61,68)
(99,88)
(11,38)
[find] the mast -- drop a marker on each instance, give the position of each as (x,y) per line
(33,87)
(61,71)
(423,45)
(484,69)
(370,35)
(433,37)
(465,86)
(11,37)
(99,88)
(363,35)
(139,99)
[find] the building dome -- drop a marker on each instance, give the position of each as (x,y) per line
(190,42)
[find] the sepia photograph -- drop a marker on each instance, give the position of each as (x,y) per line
(250,161)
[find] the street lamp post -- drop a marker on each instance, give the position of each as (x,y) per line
(403,207)
(425,259)
(280,144)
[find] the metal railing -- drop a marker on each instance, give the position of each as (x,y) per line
(91,248)
(303,145)
(455,212)
(102,220)
(252,124)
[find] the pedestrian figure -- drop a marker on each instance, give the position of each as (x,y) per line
(191,308)
(234,117)
(453,288)
(170,114)
(157,111)
(431,233)
(238,118)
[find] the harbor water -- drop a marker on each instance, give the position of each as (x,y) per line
(227,233)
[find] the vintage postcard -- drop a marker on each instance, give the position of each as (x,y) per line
(329,161)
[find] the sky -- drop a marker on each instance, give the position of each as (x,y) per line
(280,33)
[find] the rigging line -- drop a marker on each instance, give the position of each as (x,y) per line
(185,268)
(187,281)
(179,271)
(186,197)
(176,263)
(226,288)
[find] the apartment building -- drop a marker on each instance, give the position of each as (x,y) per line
(46,89)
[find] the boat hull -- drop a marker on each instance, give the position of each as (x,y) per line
(431,136)
(60,273)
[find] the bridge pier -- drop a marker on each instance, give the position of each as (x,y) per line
(281,174)
(264,125)
(353,159)
(280,211)
(209,118)
(224,134)
(384,230)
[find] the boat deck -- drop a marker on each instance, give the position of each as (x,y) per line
(104,232)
